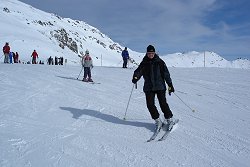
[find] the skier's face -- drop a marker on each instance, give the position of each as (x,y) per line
(151,55)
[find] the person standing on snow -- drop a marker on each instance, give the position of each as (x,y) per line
(87,64)
(125,57)
(155,73)
(6,52)
(11,55)
(34,57)
(16,56)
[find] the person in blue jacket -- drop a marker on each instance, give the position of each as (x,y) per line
(125,56)
(11,57)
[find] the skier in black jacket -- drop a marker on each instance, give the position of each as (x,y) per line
(155,74)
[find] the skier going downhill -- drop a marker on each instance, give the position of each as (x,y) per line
(155,73)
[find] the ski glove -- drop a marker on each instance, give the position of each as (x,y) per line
(170,88)
(134,80)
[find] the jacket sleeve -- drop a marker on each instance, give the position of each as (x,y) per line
(139,71)
(91,63)
(82,60)
(166,74)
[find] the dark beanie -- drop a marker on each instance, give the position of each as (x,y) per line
(150,48)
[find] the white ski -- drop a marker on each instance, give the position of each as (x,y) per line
(168,130)
(154,135)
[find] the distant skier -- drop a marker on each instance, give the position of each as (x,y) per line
(87,64)
(56,60)
(50,59)
(6,52)
(61,60)
(155,73)
(125,57)
(34,57)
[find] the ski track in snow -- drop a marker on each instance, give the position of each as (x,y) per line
(48,118)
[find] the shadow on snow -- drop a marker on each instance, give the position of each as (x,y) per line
(77,113)
(71,78)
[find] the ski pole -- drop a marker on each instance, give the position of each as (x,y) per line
(124,118)
(79,73)
(184,103)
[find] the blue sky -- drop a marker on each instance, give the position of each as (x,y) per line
(222,26)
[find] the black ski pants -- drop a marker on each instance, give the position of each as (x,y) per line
(87,72)
(125,62)
(150,100)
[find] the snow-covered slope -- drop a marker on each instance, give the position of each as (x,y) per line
(48,118)
(27,28)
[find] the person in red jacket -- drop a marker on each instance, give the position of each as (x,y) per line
(34,56)
(6,52)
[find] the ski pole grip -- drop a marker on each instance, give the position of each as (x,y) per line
(136,85)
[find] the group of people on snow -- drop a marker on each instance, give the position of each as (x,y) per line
(152,68)
(9,56)
(12,57)
(156,75)
(57,61)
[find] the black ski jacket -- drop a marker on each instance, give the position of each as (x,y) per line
(154,72)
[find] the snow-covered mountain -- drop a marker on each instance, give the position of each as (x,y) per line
(203,59)
(27,28)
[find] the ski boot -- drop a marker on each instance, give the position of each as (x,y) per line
(168,124)
(84,80)
(158,124)
(90,80)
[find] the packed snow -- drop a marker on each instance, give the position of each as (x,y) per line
(48,118)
